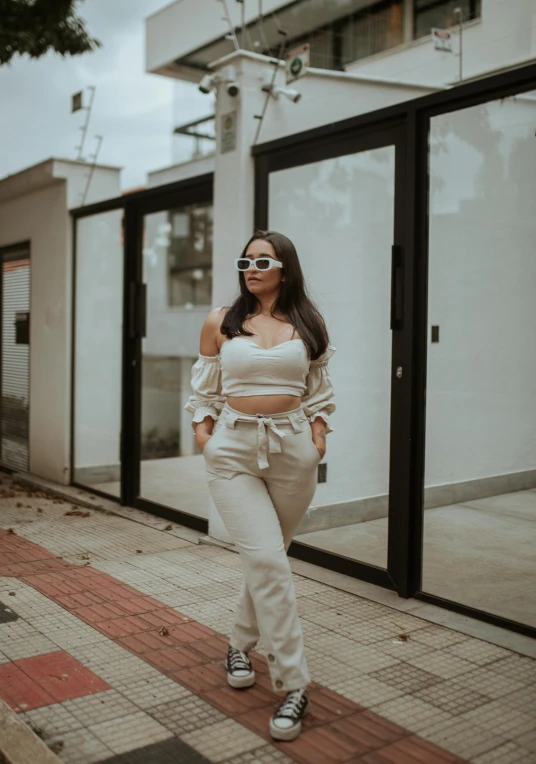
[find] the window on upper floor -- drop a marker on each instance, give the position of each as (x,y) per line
(189,255)
(367,29)
(341,31)
(430,14)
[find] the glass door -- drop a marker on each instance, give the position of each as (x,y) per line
(343,215)
(170,295)
(480,478)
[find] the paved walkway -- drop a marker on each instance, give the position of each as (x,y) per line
(112,636)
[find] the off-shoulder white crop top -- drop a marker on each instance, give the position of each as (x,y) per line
(244,368)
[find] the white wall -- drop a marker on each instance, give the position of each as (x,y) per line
(505,35)
(330,97)
(34,206)
(42,217)
(187,25)
(183,171)
(481,397)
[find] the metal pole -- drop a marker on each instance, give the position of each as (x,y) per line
(242,24)
(232,33)
(86,125)
(92,169)
(459,13)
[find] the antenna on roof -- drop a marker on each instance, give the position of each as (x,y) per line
(261,27)
(242,24)
(232,34)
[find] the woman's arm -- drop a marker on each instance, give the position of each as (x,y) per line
(318,400)
(319,431)
(209,346)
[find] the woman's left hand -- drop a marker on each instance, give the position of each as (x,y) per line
(320,447)
(318,431)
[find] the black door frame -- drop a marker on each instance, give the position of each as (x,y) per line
(406,542)
(135,206)
(193,191)
(383,134)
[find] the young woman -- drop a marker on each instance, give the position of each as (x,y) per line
(261,399)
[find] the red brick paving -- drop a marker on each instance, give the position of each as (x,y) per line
(45,679)
(336,730)
(20,691)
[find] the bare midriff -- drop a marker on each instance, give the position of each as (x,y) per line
(265,404)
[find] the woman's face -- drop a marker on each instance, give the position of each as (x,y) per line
(263,282)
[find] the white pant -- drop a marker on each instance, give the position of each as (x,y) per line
(262,507)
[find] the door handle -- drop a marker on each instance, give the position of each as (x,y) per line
(138,310)
(397,287)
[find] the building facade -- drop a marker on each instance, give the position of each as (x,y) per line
(405,175)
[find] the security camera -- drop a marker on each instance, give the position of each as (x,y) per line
(289,93)
(275,92)
(233,89)
(207,84)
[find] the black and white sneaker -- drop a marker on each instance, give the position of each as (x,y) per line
(240,673)
(286,723)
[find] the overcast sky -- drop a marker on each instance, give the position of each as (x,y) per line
(133,111)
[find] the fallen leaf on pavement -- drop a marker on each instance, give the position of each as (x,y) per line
(139,551)
(77,513)
(84,557)
(10,530)
(11,594)
(163,631)
(57,746)
(19,504)
(39,509)
(168,527)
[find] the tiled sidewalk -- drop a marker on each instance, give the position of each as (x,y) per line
(112,636)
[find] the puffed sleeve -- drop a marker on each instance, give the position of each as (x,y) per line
(318,399)
(206,398)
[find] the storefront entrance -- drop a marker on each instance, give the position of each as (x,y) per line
(415,229)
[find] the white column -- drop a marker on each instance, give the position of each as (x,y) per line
(234,184)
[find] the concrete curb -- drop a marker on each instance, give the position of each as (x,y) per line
(18,743)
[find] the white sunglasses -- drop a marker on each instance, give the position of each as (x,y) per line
(260,264)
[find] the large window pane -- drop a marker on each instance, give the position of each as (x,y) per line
(177,268)
(480,512)
(98,351)
(339,213)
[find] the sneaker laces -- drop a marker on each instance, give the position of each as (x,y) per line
(293,705)
(238,661)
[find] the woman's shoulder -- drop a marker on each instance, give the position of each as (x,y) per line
(215,318)
(211,332)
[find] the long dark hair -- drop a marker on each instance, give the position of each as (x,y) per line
(293,300)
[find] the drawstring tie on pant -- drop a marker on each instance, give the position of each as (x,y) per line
(269,436)
(268,440)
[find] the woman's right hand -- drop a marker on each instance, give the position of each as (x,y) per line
(202,439)
(203,432)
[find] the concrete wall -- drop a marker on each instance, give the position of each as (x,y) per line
(34,205)
(182,171)
(330,97)
(42,217)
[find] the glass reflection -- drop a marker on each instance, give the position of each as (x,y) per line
(480,482)
(340,214)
